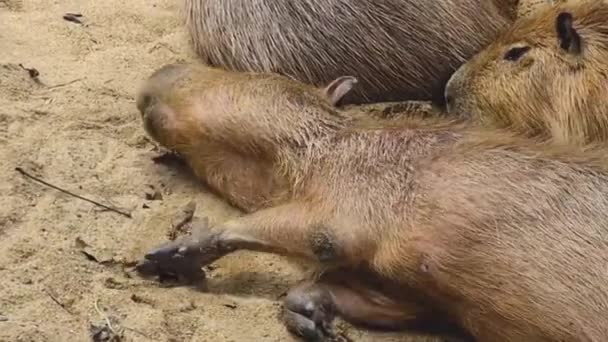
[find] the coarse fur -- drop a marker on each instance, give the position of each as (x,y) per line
(527,7)
(398,49)
(423,219)
(546,77)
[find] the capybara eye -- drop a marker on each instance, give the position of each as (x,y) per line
(516,53)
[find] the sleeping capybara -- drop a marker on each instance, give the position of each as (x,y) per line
(426,221)
(547,76)
(397,49)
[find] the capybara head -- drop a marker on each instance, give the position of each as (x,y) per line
(398,49)
(546,76)
(238,131)
(187,107)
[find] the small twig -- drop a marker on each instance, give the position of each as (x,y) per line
(184,218)
(57,301)
(65,83)
(31,71)
(230,306)
(20,170)
(104,316)
(73,17)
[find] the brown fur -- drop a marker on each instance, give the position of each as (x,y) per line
(398,49)
(528,7)
(549,92)
(423,219)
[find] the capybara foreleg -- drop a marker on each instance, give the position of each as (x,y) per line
(293,230)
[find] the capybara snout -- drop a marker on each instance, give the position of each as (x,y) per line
(157,84)
(154,97)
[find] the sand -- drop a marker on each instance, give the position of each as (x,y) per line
(62,260)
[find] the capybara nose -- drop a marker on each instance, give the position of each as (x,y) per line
(157,86)
(449,101)
(449,98)
(143,101)
(454,88)
(451,93)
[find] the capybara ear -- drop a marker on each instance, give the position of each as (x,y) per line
(338,88)
(569,39)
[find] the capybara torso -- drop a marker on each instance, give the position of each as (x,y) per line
(547,76)
(504,237)
(398,49)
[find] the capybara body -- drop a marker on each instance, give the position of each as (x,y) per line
(501,237)
(547,76)
(398,49)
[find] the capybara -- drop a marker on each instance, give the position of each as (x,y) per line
(248,177)
(497,236)
(397,49)
(547,76)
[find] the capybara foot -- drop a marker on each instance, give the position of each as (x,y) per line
(183,257)
(309,312)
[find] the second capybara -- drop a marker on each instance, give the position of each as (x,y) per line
(498,237)
(547,76)
(398,49)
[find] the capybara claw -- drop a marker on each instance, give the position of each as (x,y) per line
(304,328)
(170,263)
(183,257)
(308,314)
(165,252)
(180,259)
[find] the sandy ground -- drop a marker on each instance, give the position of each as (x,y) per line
(62,259)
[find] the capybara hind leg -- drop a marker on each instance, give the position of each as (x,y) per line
(294,230)
(309,311)
(310,308)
